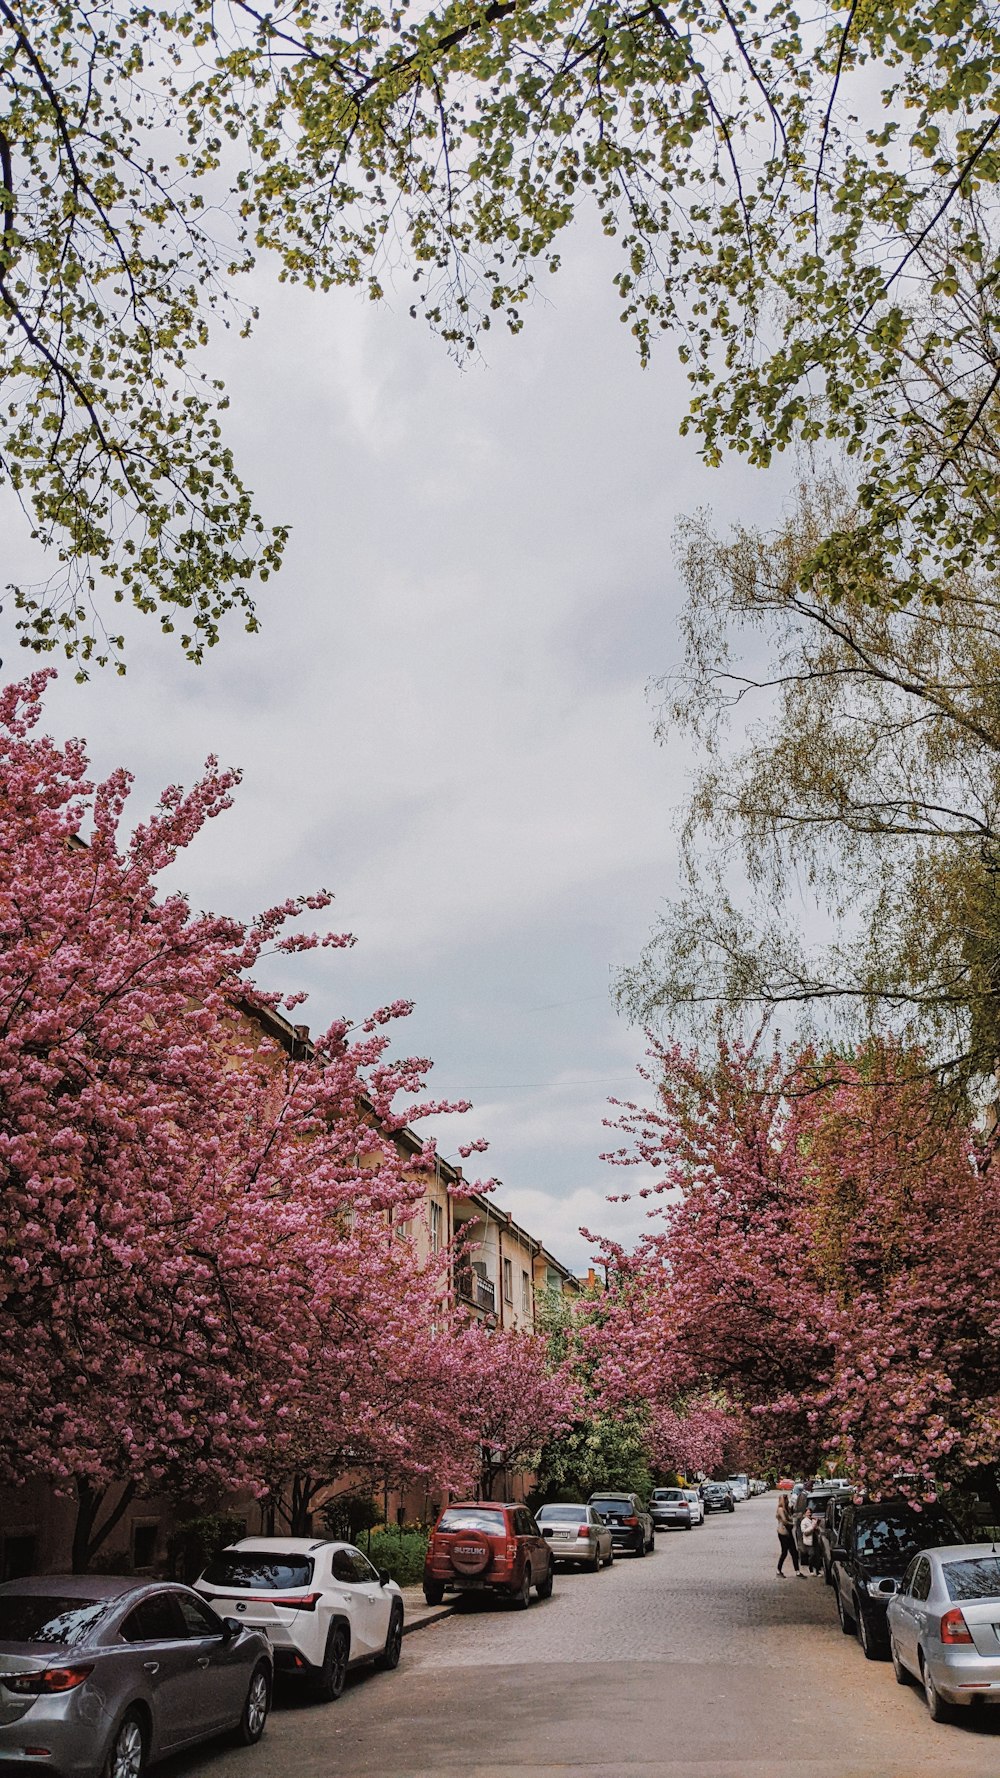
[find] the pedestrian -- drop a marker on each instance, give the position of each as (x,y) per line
(808,1528)
(786,1536)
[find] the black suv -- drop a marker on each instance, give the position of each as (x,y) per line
(717,1497)
(875,1546)
(630,1524)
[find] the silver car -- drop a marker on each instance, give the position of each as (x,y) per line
(576,1534)
(671,1506)
(99,1676)
(944,1626)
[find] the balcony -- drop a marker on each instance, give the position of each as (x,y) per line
(480,1292)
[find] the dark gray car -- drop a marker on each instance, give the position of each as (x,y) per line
(99,1675)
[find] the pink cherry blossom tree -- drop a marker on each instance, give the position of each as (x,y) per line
(513,1399)
(824,1249)
(203,1289)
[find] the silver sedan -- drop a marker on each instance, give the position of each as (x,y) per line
(100,1675)
(576,1534)
(944,1626)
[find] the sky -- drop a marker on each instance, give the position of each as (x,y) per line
(448,718)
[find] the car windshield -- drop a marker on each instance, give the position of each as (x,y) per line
(262,1571)
(40,1617)
(976,1579)
(471,1518)
(898,1535)
(716,1488)
(668,1494)
(611,1503)
(563,1515)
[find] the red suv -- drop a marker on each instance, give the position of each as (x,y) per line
(487,1545)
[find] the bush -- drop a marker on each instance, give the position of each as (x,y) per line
(401,1552)
(348,1515)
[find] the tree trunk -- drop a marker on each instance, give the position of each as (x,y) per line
(300,1515)
(88,1535)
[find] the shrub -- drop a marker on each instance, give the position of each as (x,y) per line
(401,1552)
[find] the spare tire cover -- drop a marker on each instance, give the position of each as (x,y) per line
(470,1553)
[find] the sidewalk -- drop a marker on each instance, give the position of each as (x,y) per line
(418,1614)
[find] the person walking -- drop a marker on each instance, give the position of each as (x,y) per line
(808,1527)
(786,1534)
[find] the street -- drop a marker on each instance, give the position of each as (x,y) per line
(694,1663)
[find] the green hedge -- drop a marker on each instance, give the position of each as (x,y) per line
(402,1552)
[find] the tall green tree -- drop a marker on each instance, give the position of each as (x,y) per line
(807,202)
(841,844)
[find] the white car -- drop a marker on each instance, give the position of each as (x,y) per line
(321,1605)
(740,1485)
(697,1506)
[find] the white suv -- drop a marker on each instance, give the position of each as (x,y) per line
(321,1605)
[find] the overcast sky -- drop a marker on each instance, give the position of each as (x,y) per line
(446,717)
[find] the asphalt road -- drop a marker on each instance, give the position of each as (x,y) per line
(693,1663)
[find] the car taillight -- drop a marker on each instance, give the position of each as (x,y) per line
(584,1531)
(298,1602)
(954,1627)
(631,1520)
(51,1679)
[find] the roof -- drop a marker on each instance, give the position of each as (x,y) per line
(296,1546)
(295,1039)
(78,1586)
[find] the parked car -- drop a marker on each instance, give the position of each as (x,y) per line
(100,1675)
(488,1546)
(829,1530)
(876,1545)
(943,1626)
(740,1485)
(631,1525)
(718,1498)
(577,1534)
(697,1506)
(669,1507)
(320,1603)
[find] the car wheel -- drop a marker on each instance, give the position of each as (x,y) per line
(388,1660)
(937,1709)
(609,1558)
(544,1587)
(333,1673)
(871,1642)
(902,1676)
(592,1566)
(846,1620)
(127,1754)
(258,1703)
(522,1598)
(689,1526)
(640,1548)
(433,1591)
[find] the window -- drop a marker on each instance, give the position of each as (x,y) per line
(199,1620)
(144,1545)
(364,1573)
(508,1281)
(17,1555)
(155,1620)
(525,1293)
(437,1227)
(473,1518)
(522,1522)
(978,1579)
(259,1571)
(351,1568)
(44,1617)
(921,1580)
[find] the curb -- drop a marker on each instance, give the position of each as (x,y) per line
(430,1617)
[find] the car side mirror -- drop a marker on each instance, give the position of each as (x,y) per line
(231,1628)
(384,1577)
(888,1586)
(838,1553)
